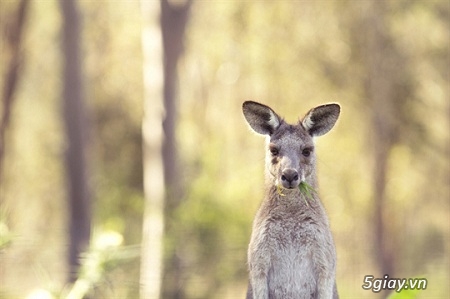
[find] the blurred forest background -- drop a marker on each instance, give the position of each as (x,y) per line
(120,117)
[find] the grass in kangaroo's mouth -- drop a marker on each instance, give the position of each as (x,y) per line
(280,190)
(306,189)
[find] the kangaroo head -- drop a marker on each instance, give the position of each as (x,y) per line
(290,155)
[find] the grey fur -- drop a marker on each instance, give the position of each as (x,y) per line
(291,253)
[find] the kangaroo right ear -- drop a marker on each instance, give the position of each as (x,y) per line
(320,120)
(261,118)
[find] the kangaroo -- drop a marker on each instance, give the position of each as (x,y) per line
(291,253)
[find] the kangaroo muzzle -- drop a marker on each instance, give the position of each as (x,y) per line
(290,178)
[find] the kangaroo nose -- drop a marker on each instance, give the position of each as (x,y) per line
(289,175)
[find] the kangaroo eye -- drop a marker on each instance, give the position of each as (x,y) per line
(274,151)
(306,152)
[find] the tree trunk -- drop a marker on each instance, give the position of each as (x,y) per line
(173,24)
(174,18)
(74,113)
(14,40)
(380,91)
(152,131)
(162,46)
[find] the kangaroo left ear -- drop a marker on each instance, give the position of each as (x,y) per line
(261,118)
(318,121)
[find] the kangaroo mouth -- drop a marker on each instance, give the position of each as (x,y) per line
(293,186)
(289,185)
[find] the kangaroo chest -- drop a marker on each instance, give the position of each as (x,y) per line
(288,240)
(292,236)
(291,226)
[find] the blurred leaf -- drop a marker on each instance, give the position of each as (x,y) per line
(404,294)
(105,254)
(6,237)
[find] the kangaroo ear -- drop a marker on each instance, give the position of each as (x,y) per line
(321,119)
(261,118)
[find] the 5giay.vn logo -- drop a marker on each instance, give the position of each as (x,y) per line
(397,284)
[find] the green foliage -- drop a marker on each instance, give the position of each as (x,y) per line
(6,236)
(404,294)
(105,254)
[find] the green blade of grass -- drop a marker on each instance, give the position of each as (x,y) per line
(307,190)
